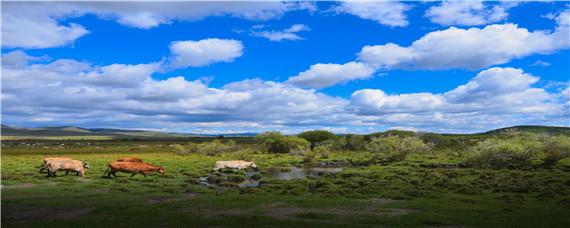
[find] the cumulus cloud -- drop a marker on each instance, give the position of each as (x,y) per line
(325,75)
(390,13)
(473,48)
(286,34)
(204,52)
(495,97)
(32,27)
(469,13)
(71,92)
(39,24)
(121,95)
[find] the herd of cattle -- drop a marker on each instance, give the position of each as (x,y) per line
(127,165)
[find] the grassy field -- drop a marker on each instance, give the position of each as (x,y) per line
(423,190)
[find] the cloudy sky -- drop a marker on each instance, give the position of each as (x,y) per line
(212,67)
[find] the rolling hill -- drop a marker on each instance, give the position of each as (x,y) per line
(71,131)
(10,132)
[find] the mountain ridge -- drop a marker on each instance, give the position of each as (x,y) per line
(63,131)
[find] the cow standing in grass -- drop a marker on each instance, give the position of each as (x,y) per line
(76,166)
(237,164)
(43,166)
(132,167)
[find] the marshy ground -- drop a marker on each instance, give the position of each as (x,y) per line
(426,189)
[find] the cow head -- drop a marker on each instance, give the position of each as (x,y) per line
(161,170)
(253,166)
(86,165)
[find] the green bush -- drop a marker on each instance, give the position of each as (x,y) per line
(317,136)
(275,142)
(513,151)
(355,142)
(395,148)
(555,148)
(208,148)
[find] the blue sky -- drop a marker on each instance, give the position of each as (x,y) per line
(211,67)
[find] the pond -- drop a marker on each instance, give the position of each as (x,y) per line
(298,173)
(253,178)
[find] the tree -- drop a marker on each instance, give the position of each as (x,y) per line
(556,148)
(276,142)
(317,136)
(395,148)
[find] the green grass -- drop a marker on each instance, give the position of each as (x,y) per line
(399,194)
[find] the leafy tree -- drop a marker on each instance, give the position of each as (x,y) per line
(556,148)
(512,150)
(276,142)
(395,148)
(317,136)
(354,142)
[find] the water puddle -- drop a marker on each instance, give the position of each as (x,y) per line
(293,172)
(253,178)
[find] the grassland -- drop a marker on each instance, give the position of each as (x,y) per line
(425,189)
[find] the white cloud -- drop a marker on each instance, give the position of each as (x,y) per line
(496,97)
(286,34)
(204,52)
(34,28)
(472,48)
(38,24)
(540,63)
(469,13)
(70,92)
(325,75)
(390,13)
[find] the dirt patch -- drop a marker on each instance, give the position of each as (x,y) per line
(279,210)
(26,185)
(19,186)
(30,213)
(169,198)
(380,201)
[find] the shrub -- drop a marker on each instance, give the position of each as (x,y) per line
(355,142)
(275,142)
(309,156)
(317,136)
(395,148)
(323,149)
(556,148)
(208,148)
(513,152)
(184,150)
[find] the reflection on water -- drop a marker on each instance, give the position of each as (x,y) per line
(249,181)
(298,173)
(278,173)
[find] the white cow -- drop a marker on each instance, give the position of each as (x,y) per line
(237,164)
(76,166)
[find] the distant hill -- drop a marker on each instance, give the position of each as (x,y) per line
(75,132)
(534,129)
(61,132)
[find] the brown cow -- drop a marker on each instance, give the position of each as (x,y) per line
(129,160)
(68,165)
(132,167)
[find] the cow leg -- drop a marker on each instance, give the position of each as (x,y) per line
(66,172)
(144,174)
(133,174)
(114,174)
